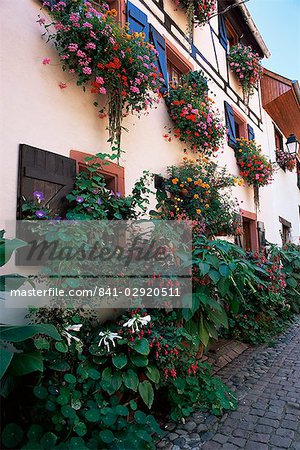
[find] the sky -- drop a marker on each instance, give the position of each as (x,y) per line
(279,24)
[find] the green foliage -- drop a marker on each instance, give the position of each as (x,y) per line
(198,190)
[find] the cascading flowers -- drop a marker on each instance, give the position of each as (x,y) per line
(106,59)
(196,123)
(245,63)
(286,161)
(254,166)
(198,11)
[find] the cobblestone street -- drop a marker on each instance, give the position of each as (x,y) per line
(267,382)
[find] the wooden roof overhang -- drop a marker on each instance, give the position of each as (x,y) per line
(281,100)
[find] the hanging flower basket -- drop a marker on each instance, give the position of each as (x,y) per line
(286,161)
(196,123)
(255,169)
(106,60)
(245,63)
(198,11)
(254,166)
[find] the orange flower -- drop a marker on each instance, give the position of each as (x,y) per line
(196,196)
(189,179)
(198,211)
(175,180)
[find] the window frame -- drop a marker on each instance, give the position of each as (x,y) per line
(176,59)
(240,120)
(231,35)
(251,219)
(108,169)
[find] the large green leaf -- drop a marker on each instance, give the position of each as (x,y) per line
(203,332)
(153,374)
(6,357)
(18,333)
(12,435)
(24,363)
(131,380)
(7,247)
(119,361)
(139,360)
(141,346)
(146,392)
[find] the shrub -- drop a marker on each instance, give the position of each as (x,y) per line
(200,191)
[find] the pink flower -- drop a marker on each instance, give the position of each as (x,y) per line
(62,85)
(135,89)
(46,61)
(73,47)
(102,90)
(87,25)
(80,54)
(90,45)
(99,80)
(87,70)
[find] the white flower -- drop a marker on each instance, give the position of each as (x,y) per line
(74,327)
(107,336)
(136,320)
(70,336)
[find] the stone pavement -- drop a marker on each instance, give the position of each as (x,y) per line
(267,383)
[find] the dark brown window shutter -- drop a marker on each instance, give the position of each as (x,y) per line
(52,174)
(261,235)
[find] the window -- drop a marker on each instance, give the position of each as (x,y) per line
(118,5)
(250,234)
(236,125)
(174,74)
(112,173)
(278,141)
(177,64)
(285,231)
(232,36)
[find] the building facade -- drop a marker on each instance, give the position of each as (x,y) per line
(38,114)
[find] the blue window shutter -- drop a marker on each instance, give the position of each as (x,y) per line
(229,117)
(223,32)
(251,134)
(138,21)
(160,45)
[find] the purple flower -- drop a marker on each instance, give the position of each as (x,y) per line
(118,194)
(112,193)
(99,201)
(40,214)
(39,196)
(79,199)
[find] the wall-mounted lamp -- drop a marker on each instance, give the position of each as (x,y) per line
(292,145)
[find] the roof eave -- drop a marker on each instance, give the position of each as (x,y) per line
(253,28)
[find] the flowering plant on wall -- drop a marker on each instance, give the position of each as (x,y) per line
(198,11)
(245,63)
(286,161)
(106,59)
(254,166)
(196,123)
(200,191)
